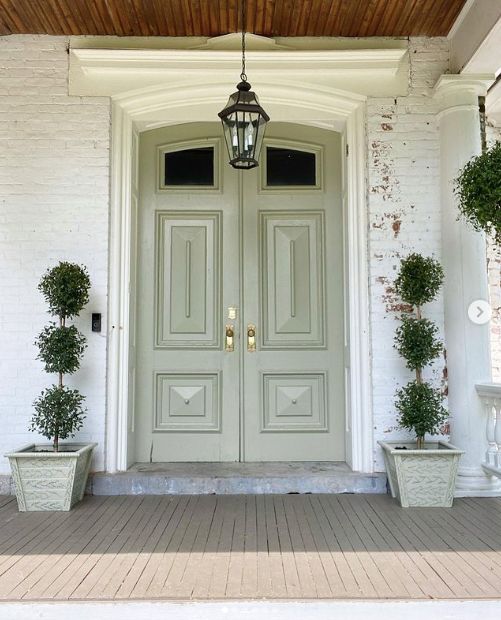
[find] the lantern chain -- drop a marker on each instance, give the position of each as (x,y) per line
(243,76)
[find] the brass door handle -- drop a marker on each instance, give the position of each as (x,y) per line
(229,341)
(251,337)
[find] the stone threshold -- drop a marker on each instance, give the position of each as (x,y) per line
(236,479)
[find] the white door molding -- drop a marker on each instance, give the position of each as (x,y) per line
(289,97)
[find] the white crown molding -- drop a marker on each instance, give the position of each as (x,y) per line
(179,103)
(364,59)
(111,72)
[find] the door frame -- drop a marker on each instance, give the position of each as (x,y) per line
(305,103)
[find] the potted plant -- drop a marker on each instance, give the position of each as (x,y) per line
(478,192)
(53,476)
(420,472)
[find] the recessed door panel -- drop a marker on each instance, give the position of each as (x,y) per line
(294,402)
(187,292)
(187,402)
(292,280)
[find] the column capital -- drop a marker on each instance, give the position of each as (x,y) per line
(460,90)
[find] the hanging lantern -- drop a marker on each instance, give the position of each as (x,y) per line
(244,120)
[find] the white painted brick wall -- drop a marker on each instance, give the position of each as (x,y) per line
(404,216)
(54,197)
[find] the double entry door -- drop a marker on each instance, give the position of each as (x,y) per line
(239,315)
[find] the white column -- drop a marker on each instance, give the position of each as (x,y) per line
(464,261)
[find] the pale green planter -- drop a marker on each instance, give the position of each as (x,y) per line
(50,480)
(424,477)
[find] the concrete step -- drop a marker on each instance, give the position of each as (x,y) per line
(235,479)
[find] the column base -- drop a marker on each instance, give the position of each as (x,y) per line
(476,483)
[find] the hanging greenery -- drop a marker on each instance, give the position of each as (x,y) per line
(420,404)
(478,191)
(59,410)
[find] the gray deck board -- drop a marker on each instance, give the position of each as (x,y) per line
(251,546)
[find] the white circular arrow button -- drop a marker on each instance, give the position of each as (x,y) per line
(479,312)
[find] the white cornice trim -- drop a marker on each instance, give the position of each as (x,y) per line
(111,72)
(366,60)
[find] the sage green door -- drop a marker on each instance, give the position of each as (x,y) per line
(293,293)
(240,299)
(187,387)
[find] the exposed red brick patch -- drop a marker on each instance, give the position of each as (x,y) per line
(396,227)
(407,308)
(386,127)
(446,429)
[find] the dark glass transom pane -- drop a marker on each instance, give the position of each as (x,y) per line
(290,167)
(189,167)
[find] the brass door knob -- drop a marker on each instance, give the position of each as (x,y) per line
(251,337)
(229,341)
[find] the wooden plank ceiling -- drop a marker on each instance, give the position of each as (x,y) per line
(271,18)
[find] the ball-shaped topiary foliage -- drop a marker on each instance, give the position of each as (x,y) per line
(419,279)
(58,412)
(420,405)
(416,341)
(60,348)
(65,288)
(421,408)
(478,191)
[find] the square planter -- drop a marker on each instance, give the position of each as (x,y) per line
(424,477)
(48,480)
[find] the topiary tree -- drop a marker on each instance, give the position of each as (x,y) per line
(419,404)
(478,190)
(59,410)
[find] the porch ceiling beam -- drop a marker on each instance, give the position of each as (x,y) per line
(475,45)
(475,38)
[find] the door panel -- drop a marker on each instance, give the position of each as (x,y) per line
(187,402)
(292,280)
(188,288)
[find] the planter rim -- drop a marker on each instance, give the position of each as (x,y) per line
(23,452)
(450,449)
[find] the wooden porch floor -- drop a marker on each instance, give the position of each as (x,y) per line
(271,546)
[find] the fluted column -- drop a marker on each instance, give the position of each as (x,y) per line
(464,261)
